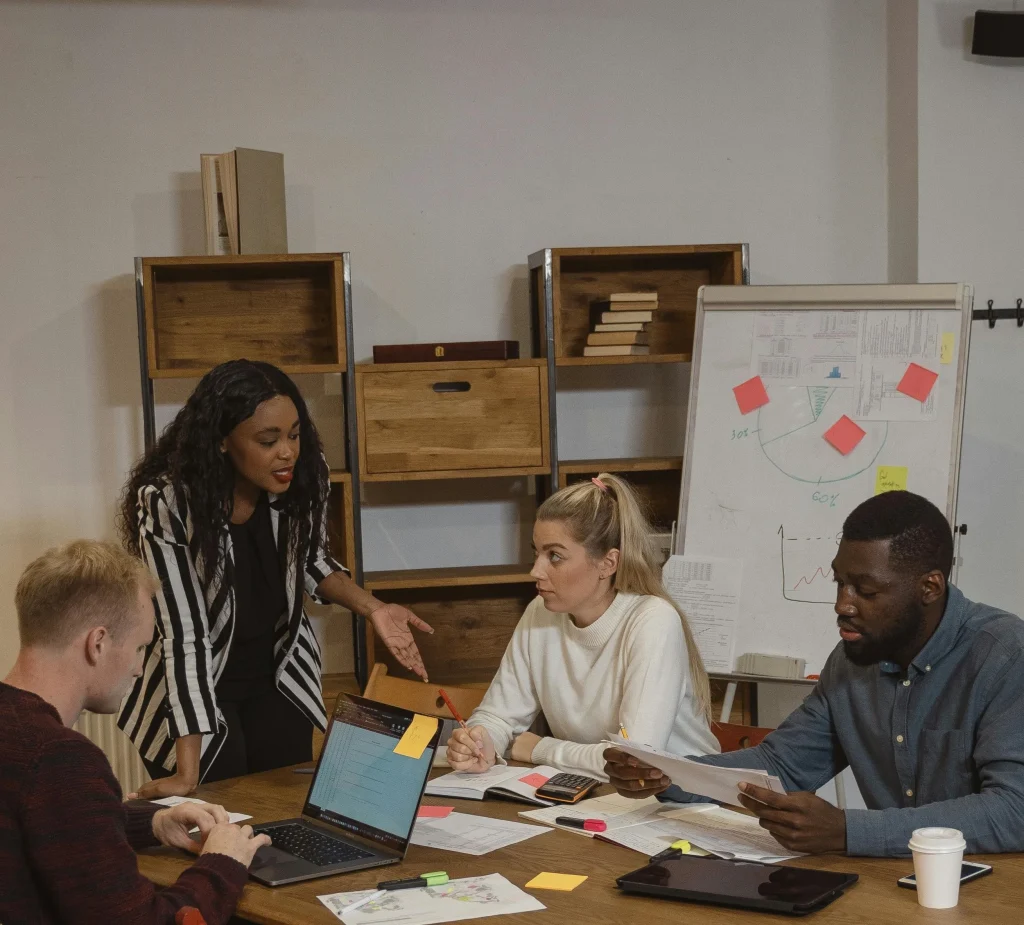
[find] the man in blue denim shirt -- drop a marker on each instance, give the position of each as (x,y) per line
(922,699)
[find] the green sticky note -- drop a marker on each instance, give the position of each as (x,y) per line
(890,478)
(946,351)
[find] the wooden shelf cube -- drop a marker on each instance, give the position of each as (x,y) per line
(341,520)
(473,611)
(452,420)
(657,481)
(285,309)
(581,275)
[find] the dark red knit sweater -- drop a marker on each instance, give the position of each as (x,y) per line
(67,840)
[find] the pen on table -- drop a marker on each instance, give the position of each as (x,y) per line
(359,903)
(588,825)
(455,714)
(303,770)
(437,878)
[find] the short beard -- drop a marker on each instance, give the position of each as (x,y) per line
(870,650)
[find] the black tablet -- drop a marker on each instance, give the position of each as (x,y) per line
(747,884)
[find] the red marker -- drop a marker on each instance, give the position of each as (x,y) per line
(588,825)
(455,713)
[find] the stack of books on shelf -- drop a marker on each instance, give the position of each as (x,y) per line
(620,325)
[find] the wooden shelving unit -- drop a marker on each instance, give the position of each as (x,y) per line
(292,310)
(563,284)
(454,420)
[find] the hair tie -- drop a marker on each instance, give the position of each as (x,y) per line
(600,484)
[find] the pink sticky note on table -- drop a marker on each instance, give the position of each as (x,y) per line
(844,435)
(434,812)
(534,780)
(917,382)
(750,395)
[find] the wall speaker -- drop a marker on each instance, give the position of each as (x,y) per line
(998,34)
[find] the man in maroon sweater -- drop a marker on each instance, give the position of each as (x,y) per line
(66,840)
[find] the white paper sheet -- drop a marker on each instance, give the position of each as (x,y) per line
(798,348)
(720,784)
(474,835)
(887,343)
(652,836)
(728,834)
(707,590)
(614,810)
(456,901)
(174,801)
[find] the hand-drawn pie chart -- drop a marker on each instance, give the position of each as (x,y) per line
(791,431)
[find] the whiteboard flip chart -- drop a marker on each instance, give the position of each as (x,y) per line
(770,489)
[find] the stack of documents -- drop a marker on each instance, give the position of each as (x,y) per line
(474,835)
(720,784)
(727,834)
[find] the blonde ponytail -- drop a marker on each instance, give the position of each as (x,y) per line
(604,514)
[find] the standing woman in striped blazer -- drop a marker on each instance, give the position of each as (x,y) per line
(228,510)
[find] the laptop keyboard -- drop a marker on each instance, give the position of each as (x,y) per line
(310,845)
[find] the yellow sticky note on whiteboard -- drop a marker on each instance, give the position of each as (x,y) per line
(890,478)
(948,345)
(417,737)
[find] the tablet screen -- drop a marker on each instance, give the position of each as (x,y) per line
(743,881)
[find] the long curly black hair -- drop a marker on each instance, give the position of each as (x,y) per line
(188,457)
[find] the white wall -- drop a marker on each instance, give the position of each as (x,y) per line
(440,142)
(971,192)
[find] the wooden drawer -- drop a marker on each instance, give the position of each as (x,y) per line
(442,420)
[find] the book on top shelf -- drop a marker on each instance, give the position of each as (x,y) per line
(631,326)
(616,338)
(625,317)
(633,350)
(604,305)
(633,297)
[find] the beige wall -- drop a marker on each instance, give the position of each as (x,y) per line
(440,142)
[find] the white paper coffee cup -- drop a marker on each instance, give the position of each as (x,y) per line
(938,853)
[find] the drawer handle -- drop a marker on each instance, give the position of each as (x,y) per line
(451,386)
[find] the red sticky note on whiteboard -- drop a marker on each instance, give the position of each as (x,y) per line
(844,435)
(917,382)
(434,812)
(750,395)
(534,780)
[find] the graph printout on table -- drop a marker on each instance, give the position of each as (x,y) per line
(766,491)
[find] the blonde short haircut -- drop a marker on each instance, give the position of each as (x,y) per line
(77,586)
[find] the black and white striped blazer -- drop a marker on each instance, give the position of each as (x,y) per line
(195,621)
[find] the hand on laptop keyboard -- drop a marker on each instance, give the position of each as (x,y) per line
(238,842)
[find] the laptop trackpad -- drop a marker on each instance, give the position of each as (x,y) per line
(284,864)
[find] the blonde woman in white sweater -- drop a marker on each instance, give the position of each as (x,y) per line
(601,647)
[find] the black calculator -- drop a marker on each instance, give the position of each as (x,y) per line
(567,788)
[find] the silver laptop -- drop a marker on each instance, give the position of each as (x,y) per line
(362,801)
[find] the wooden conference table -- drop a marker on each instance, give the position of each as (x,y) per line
(997,899)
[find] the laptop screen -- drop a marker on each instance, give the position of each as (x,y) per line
(360,784)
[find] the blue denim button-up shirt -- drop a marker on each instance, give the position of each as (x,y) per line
(942,744)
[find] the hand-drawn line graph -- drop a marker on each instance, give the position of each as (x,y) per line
(806,563)
(790,430)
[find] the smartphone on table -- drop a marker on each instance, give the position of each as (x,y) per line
(969,871)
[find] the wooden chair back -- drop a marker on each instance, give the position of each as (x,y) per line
(732,736)
(420,697)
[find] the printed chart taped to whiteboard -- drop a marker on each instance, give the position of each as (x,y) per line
(769,489)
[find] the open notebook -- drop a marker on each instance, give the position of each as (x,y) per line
(501,783)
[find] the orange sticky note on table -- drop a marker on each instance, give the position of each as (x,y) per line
(434,812)
(750,395)
(549,881)
(534,780)
(844,435)
(917,382)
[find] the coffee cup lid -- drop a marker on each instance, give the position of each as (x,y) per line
(937,839)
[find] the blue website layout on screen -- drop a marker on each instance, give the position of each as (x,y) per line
(361,778)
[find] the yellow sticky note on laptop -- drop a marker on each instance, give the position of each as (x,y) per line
(417,737)
(565,882)
(890,478)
